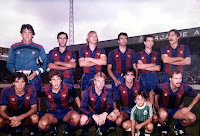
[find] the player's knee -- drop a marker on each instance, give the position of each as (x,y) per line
(75,118)
(125,125)
(192,118)
(83,120)
(150,127)
(43,124)
(118,121)
(163,114)
(34,119)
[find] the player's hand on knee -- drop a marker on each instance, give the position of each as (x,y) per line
(184,110)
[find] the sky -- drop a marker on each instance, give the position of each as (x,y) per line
(107,17)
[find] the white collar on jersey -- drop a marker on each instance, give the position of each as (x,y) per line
(142,106)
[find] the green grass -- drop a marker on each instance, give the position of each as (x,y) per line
(192,130)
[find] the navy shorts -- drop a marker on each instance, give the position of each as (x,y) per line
(87,81)
(126,110)
(59,114)
(171,112)
(119,77)
(67,81)
(149,81)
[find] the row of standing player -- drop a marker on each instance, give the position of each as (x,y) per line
(22,57)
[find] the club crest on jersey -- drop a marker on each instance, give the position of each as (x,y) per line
(33,52)
(98,54)
(168,50)
(142,58)
(145,112)
(18,52)
(117,56)
(64,95)
(104,99)
(179,96)
(165,94)
(124,92)
(86,53)
(27,98)
(56,54)
(13,99)
(68,57)
(92,99)
(49,96)
(154,58)
(181,52)
(128,56)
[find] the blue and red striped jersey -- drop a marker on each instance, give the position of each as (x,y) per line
(120,61)
(127,95)
(179,51)
(18,105)
(170,99)
(153,57)
(86,52)
(66,56)
(58,100)
(92,103)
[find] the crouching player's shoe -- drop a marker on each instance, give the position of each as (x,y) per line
(178,132)
(54,132)
(73,133)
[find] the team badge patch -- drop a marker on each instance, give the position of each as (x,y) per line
(86,53)
(145,112)
(27,98)
(68,57)
(181,52)
(142,58)
(128,56)
(179,96)
(124,91)
(168,50)
(13,99)
(165,94)
(64,95)
(98,54)
(104,99)
(92,99)
(18,52)
(56,54)
(154,58)
(49,96)
(117,56)
(33,52)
